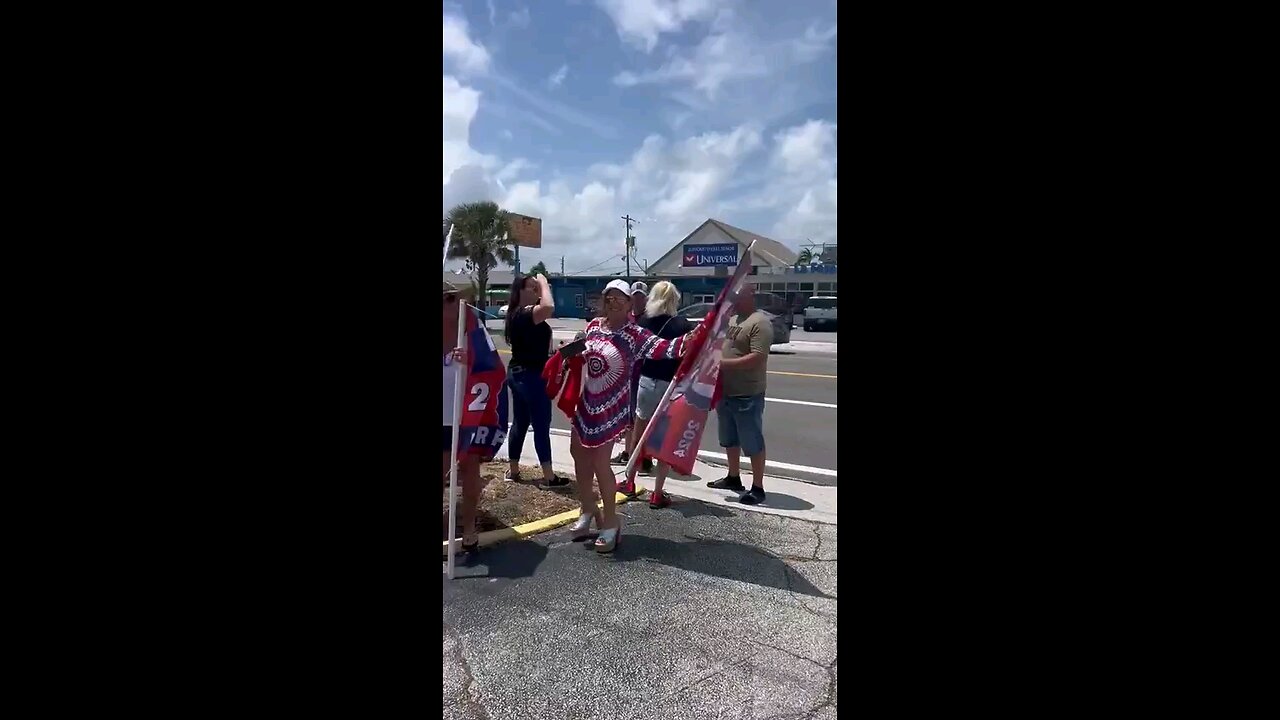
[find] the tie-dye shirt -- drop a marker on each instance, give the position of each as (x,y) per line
(609,361)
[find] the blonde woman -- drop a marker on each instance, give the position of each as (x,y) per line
(655,375)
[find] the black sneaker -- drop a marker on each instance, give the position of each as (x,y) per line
(646,466)
(728,482)
(754,496)
(619,459)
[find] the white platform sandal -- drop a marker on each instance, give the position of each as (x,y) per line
(582,526)
(609,539)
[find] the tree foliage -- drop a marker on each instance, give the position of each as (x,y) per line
(481,238)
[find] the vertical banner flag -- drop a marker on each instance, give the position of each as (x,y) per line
(483,426)
(682,416)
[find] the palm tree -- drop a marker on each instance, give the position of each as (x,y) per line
(539,268)
(480,233)
(806,257)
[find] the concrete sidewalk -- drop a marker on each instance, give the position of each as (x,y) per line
(789,498)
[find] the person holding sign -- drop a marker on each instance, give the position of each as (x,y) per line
(483,410)
(615,346)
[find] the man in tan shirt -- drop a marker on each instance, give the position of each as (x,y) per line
(740,414)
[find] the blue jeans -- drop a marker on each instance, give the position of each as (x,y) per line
(529,406)
(741,423)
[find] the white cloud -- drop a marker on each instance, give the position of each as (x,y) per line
(558,76)
(807,150)
(512,170)
(519,18)
(674,186)
(557,109)
(470,56)
(642,22)
(733,53)
(466,171)
(493,13)
(717,59)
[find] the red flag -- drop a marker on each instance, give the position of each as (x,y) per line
(675,433)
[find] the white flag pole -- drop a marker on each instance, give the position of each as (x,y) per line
(447,238)
(458,379)
(662,404)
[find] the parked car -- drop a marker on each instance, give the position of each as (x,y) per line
(781,322)
(502,312)
(820,311)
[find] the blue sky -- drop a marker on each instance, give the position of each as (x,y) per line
(671,111)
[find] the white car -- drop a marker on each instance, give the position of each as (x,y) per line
(820,311)
(502,311)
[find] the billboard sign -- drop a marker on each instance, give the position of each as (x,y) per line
(717,255)
(525,231)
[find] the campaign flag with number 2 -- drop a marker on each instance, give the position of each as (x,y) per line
(483,425)
(678,423)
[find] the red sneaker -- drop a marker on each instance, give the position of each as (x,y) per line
(628,488)
(658,500)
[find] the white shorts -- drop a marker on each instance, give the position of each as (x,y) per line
(649,395)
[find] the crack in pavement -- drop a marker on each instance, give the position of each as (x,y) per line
(465,698)
(786,573)
(786,652)
(688,686)
(828,698)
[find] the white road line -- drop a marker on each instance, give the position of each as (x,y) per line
(776,464)
(800,402)
(723,457)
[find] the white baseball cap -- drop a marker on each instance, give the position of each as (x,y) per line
(639,287)
(619,285)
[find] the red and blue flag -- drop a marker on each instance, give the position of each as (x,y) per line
(483,424)
(678,424)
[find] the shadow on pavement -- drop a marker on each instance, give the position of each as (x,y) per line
(695,508)
(719,558)
(517,559)
(781,501)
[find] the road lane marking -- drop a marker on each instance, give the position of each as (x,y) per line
(776,464)
(768,463)
(783,372)
(800,402)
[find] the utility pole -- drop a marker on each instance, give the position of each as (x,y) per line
(629,244)
(561,266)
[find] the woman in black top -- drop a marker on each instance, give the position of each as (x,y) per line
(529,336)
(655,375)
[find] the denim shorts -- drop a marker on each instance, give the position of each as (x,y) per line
(649,395)
(740,421)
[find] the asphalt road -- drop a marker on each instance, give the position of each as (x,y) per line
(801,437)
(701,612)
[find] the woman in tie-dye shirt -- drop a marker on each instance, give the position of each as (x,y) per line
(614,350)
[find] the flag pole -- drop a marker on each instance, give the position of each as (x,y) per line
(662,405)
(458,378)
(648,427)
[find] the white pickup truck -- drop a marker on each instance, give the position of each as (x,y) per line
(820,311)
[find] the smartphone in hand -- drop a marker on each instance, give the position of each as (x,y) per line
(574,348)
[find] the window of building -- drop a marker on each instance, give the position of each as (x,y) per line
(807,287)
(826,287)
(793,286)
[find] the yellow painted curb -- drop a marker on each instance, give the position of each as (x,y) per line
(493,537)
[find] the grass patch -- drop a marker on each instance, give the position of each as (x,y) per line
(508,504)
